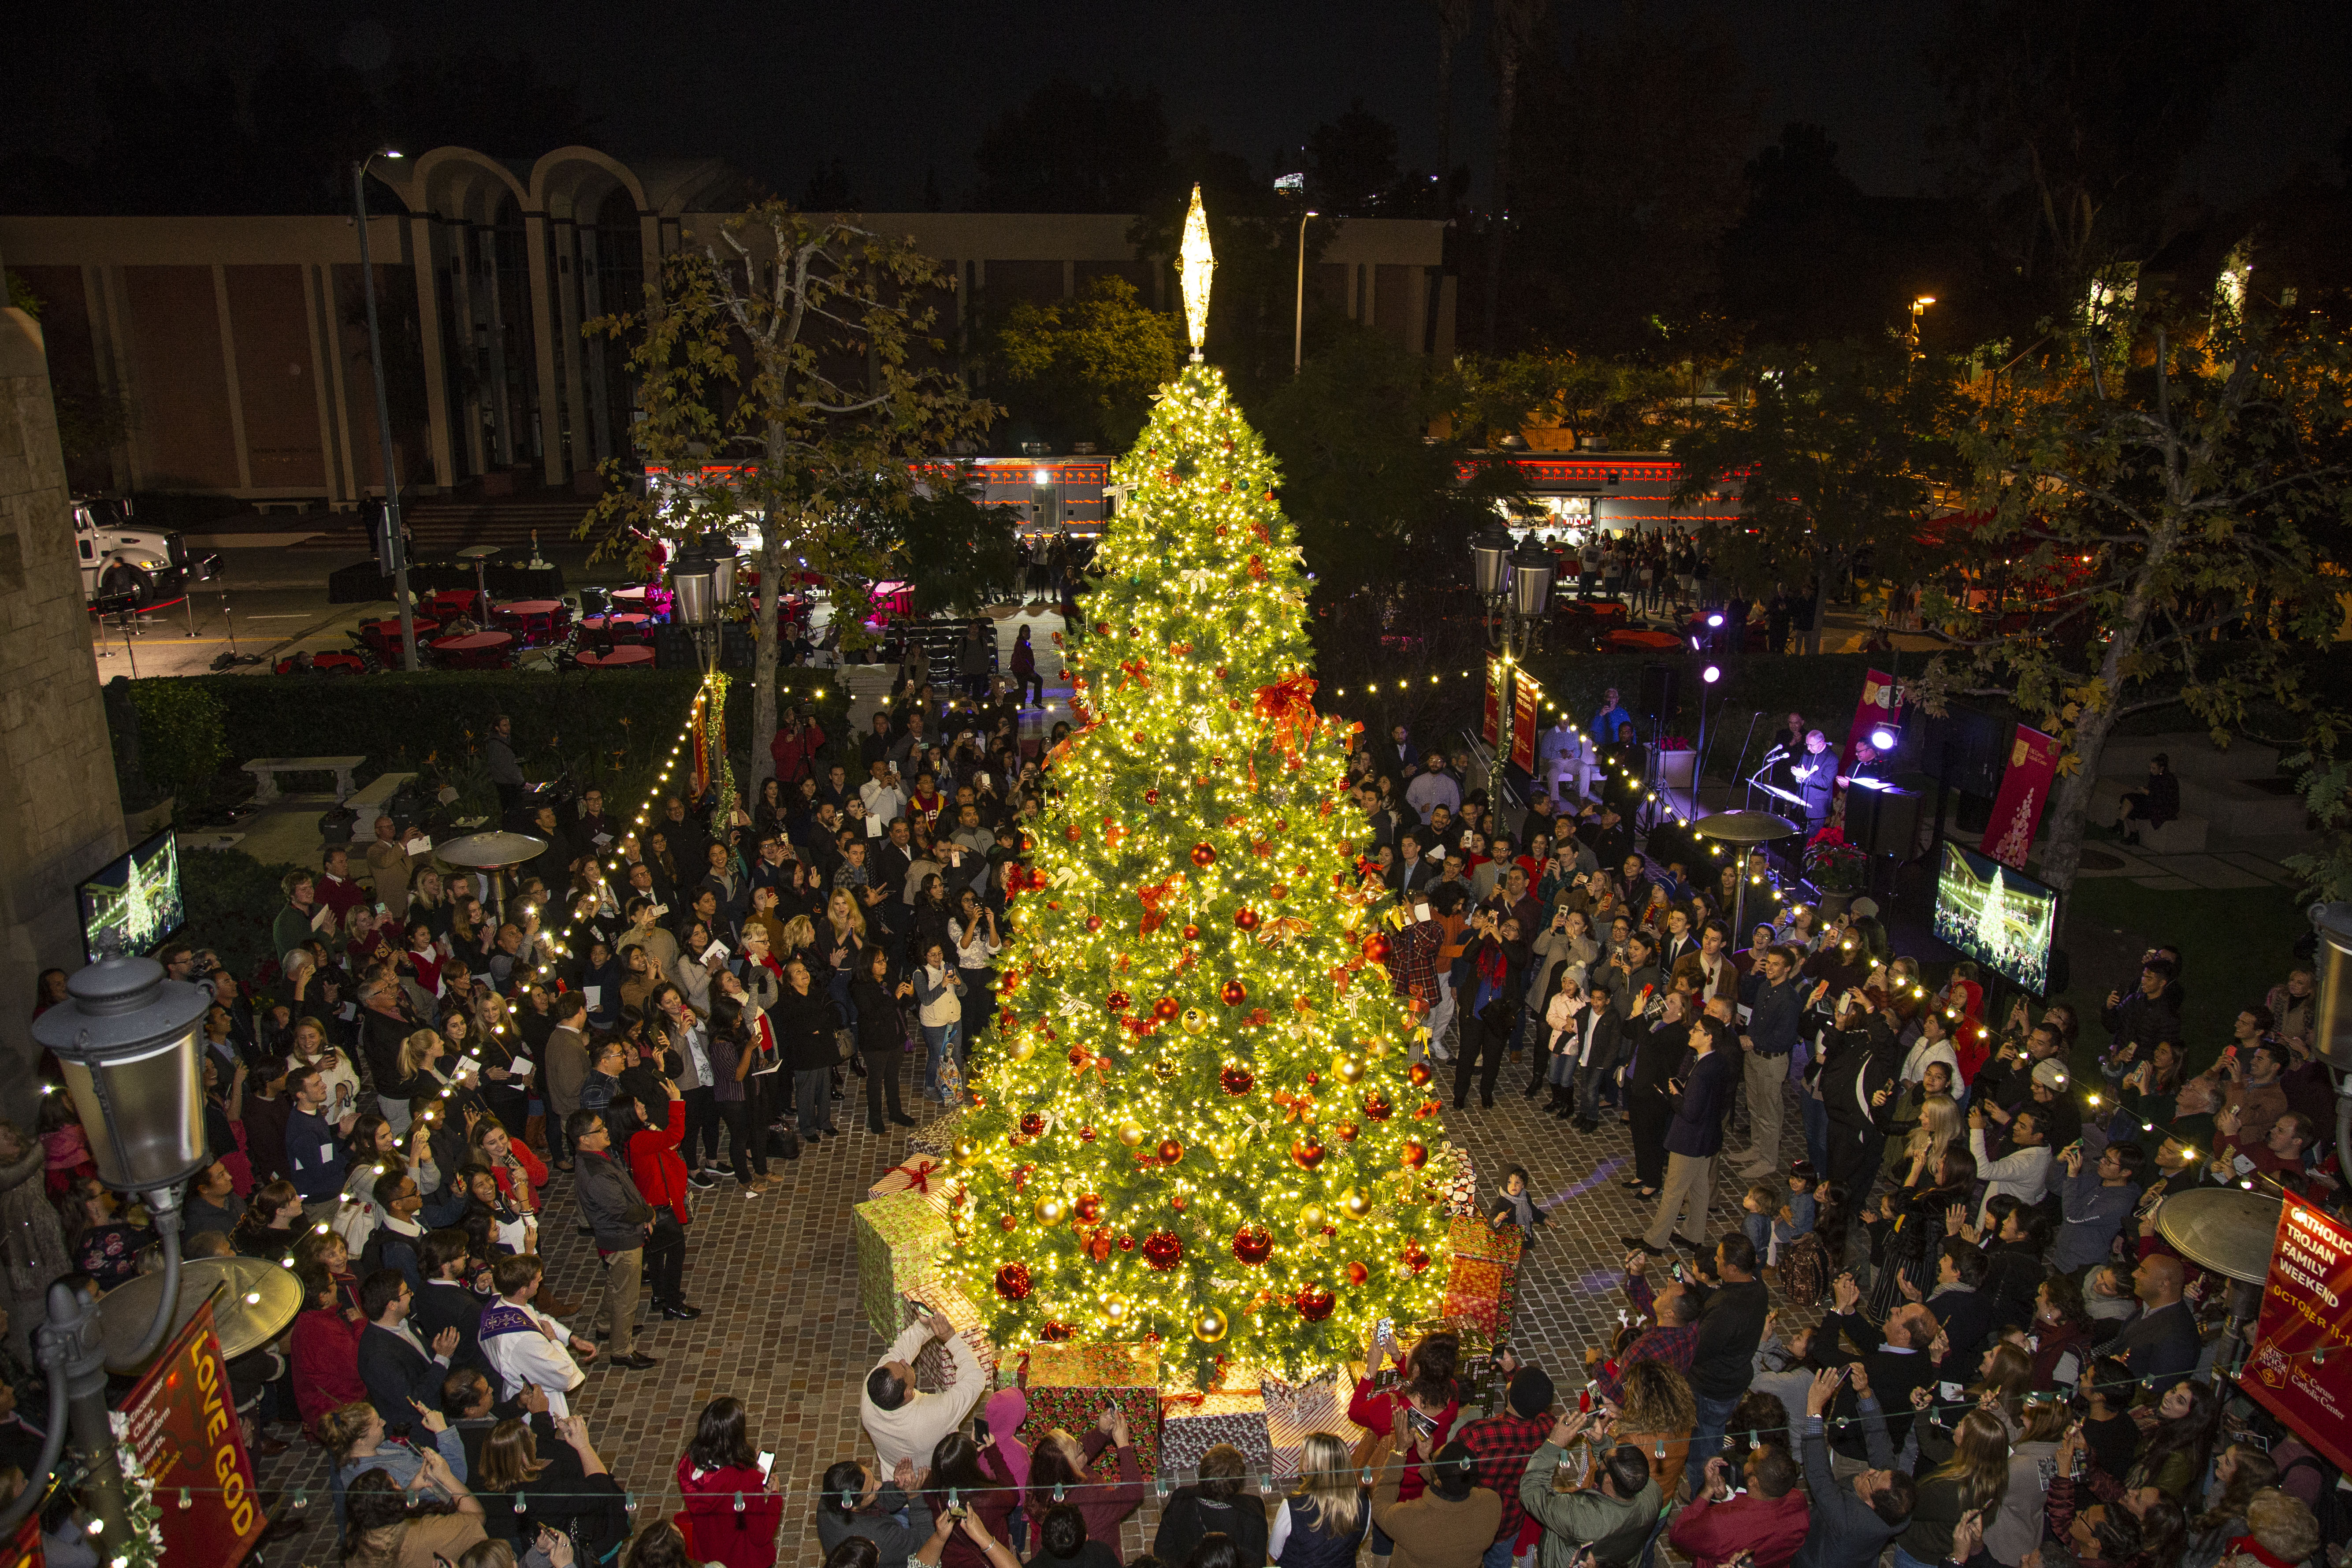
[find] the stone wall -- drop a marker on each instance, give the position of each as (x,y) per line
(60,819)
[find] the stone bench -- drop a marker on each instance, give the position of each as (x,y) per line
(375,792)
(2184,835)
(264,771)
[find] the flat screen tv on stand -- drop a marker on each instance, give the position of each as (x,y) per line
(2001,918)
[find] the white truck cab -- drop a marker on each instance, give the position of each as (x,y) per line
(148,564)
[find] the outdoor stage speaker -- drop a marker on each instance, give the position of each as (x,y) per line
(1968,749)
(1661,685)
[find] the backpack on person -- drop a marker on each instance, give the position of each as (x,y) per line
(1805,1272)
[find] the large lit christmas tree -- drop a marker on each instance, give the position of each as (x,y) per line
(1195,1123)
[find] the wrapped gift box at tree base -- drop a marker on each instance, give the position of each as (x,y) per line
(897,1238)
(1483,1294)
(926,1176)
(1473,1237)
(1069,1385)
(934,1368)
(1193,1424)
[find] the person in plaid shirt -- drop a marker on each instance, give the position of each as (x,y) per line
(1500,1446)
(1672,1337)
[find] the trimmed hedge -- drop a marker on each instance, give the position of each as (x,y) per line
(612,728)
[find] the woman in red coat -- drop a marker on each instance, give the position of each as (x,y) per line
(1419,1413)
(326,1352)
(718,1468)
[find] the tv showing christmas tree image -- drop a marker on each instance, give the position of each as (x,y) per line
(2000,918)
(134,903)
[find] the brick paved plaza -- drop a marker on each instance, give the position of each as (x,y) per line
(777,1279)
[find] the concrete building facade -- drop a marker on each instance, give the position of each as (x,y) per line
(239,348)
(60,816)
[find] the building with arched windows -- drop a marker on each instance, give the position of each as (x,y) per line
(236,347)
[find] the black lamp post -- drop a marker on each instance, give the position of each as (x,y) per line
(1517,587)
(127,1038)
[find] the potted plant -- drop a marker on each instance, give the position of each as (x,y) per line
(1835,869)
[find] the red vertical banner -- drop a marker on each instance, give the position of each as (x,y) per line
(1494,703)
(2024,791)
(2302,1314)
(183,1432)
(1524,697)
(1881,704)
(24,1549)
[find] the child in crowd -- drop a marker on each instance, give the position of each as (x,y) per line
(1756,1219)
(1515,1205)
(1796,1217)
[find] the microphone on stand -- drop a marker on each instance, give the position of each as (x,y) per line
(1776,753)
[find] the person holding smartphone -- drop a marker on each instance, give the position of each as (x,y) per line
(731,1498)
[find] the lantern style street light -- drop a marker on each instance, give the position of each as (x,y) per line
(127,1040)
(1516,585)
(701,586)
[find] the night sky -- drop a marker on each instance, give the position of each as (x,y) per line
(898,87)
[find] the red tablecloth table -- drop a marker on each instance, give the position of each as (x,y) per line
(618,658)
(383,636)
(483,650)
(619,628)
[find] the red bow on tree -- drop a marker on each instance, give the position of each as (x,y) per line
(1154,917)
(1288,706)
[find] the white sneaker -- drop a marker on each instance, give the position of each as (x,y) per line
(1440,1052)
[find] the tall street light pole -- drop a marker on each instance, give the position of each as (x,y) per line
(395,543)
(1298,316)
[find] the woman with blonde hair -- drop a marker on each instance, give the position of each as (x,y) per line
(1974,1477)
(1942,1125)
(2238,1472)
(354,1435)
(1656,1416)
(1321,1523)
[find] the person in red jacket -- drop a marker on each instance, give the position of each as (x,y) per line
(799,739)
(326,1351)
(731,1512)
(1769,1522)
(660,1176)
(1418,1412)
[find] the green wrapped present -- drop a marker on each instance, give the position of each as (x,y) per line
(1070,1385)
(898,1238)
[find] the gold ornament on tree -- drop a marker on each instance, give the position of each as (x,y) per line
(1210,1326)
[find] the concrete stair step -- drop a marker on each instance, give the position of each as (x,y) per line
(2184,835)
(2261,807)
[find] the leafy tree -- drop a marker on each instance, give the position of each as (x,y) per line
(1074,148)
(1352,171)
(1838,452)
(1194,1120)
(2170,477)
(1088,367)
(1596,156)
(2069,121)
(958,554)
(779,361)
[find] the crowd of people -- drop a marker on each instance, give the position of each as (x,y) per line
(2009,1366)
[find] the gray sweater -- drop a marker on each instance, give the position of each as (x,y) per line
(2094,1213)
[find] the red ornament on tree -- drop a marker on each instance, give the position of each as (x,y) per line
(1415,1257)
(1346,1132)
(1233,992)
(1094,922)
(1191,933)
(1204,855)
(1032,1125)
(1117,1000)
(1415,1155)
(1151,797)
(1162,1250)
(1086,1134)
(1416,1075)
(1357,1273)
(1007,1222)
(1054,1329)
(1281,890)
(1167,1009)
(1253,1243)
(1308,1151)
(1245,918)
(1237,1081)
(1126,1243)
(1314,1302)
(1088,1208)
(1376,948)
(1170,1151)
(1013,1281)
(1377,1107)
